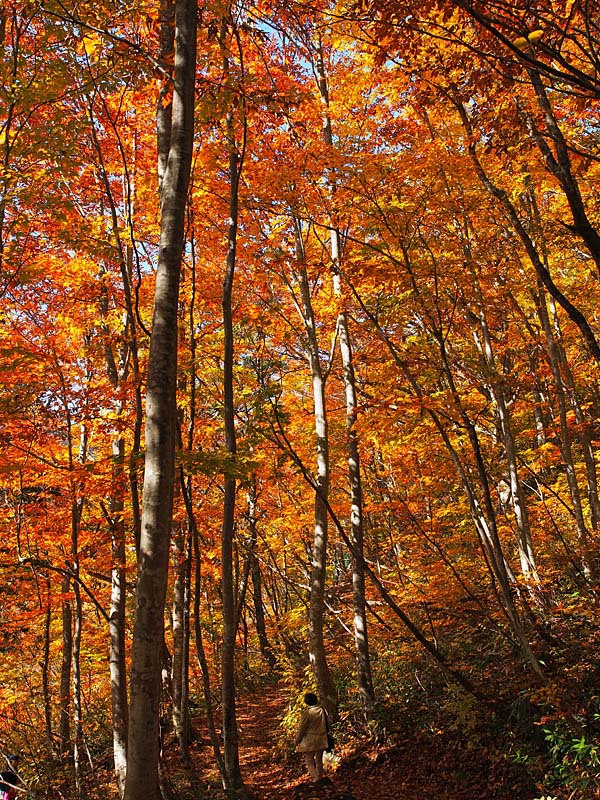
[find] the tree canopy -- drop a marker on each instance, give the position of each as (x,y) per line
(299,348)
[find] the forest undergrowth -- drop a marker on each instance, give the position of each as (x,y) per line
(410,765)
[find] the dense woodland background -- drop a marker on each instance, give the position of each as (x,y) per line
(378,414)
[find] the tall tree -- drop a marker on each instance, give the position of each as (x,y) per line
(361,635)
(232,778)
(160,437)
(318,570)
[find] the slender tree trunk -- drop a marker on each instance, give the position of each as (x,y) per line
(179,681)
(233,778)
(64,728)
(361,638)
(143,742)
(136,444)
(524,540)
(202,661)
(565,433)
(78,743)
(118,594)
(116,627)
(45,666)
(497,393)
(76,514)
(266,649)
(316,644)
(185,659)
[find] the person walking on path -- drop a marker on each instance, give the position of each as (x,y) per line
(311,739)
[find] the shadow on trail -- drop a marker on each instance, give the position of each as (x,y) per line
(413,768)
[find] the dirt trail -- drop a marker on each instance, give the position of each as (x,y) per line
(263,758)
(270,768)
(412,769)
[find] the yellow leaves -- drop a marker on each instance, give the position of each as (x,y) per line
(91,44)
(521,42)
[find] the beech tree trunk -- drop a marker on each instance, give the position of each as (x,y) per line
(316,644)
(361,638)
(76,512)
(118,597)
(118,593)
(143,742)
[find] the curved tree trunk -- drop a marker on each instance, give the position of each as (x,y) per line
(496,390)
(78,744)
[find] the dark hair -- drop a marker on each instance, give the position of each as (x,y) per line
(311,699)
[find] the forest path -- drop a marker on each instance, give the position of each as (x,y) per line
(273,771)
(263,753)
(270,767)
(413,768)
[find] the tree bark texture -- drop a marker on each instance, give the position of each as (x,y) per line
(147,648)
